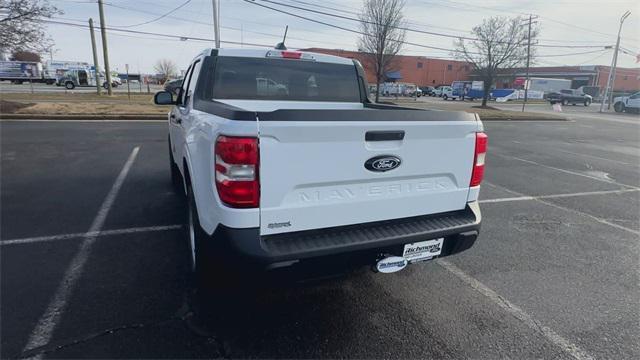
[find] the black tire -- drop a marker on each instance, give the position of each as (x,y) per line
(619,107)
(105,85)
(564,102)
(69,85)
(445,97)
(211,275)
(587,102)
(573,104)
(176,177)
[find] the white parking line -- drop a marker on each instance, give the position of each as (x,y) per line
(565,171)
(80,235)
(598,219)
(42,333)
(566,345)
(555,196)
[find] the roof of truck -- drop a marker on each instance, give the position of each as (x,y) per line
(262,53)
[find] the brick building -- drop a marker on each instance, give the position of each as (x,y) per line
(425,71)
(420,70)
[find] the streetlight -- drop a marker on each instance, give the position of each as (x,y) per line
(608,91)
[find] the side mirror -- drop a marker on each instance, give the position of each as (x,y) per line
(163,98)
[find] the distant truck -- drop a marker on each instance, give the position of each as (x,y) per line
(469,90)
(569,96)
(399,89)
(84,78)
(22,71)
(548,85)
(53,69)
(627,103)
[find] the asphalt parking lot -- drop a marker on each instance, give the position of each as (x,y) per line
(94,259)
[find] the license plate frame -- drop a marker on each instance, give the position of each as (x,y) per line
(423,250)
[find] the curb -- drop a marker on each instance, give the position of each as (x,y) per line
(83,117)
(523,119)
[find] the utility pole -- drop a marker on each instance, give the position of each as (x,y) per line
(95,56)
(105,51)
(216,22)
(608,91)
(526,82)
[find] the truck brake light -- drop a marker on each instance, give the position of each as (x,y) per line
(285,54)
(478,159)
(236,171)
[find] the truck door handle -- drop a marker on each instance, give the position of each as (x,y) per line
(384,135)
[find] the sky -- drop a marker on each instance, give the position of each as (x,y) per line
(567,25)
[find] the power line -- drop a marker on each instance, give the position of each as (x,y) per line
(159,17)
(406,28)
(466,5)
(404,42)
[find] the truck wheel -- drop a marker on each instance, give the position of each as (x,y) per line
(587,102)
(176,177)
(618,107)
(105,85)
(444,97)
(564,102)
(69,85)
(206,265)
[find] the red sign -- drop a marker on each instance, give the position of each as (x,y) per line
(519,81)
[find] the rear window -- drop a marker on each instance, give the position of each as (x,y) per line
(284,79)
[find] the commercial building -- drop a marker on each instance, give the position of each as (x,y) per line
(627,79)
(419,70)
(425,71)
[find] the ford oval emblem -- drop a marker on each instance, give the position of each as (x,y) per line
(382,163)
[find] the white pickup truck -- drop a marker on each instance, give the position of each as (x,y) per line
(316,177)
(627,103)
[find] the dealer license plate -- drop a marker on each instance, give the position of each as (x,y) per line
(423,250)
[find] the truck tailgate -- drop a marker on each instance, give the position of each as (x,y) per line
(313,174)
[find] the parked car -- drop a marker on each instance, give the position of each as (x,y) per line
(317,175)
(448,93)
(427,90)
(627,103)
(439,91)
(173,86)
(569,96)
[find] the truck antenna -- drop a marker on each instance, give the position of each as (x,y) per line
(281,45)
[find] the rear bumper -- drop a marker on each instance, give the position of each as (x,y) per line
(361,243)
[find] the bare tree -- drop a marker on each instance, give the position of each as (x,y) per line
(166,69)
(381,24)
(500,43)
(21,26)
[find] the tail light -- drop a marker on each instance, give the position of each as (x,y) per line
(478,159)
(236,169)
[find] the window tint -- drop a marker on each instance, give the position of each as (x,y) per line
(282,79)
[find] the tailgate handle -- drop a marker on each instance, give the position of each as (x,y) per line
(384,135)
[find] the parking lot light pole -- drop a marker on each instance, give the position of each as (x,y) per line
(608,91)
